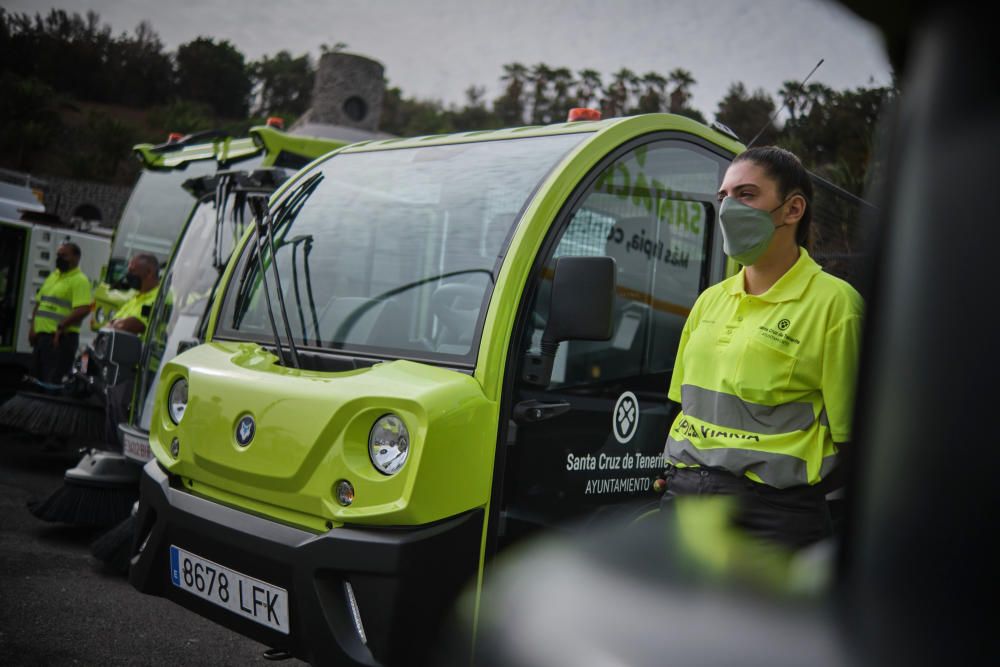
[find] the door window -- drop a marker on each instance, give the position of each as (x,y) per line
(652,209)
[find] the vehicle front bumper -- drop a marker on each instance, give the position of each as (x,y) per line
(405,580)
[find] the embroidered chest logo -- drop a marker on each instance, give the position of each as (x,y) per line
(778,334)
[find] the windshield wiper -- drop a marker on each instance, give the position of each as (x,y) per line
(263,222)
(306,240)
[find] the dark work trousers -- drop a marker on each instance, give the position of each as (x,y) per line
(795,517)
(116,409)
(51,362)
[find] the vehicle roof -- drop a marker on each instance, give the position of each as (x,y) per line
(642,124)
(15,197)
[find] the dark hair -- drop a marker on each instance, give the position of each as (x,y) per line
(149,260)
(73,247)
(787,171)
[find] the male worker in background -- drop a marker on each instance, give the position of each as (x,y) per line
(62,303)
(143,275)
(133,317)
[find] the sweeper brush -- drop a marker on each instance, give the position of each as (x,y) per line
(77,420)
(114,548)
(98,492)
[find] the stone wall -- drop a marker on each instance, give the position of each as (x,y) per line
(69,198)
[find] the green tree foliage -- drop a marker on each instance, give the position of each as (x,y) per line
(79,56)
(618,93)
(833,132)
(139,69)
(214,73)
(31,119)
(100,147)
(747,114)
(180,116)
(410,117)
(283,84)
(510,106)
(588,85)
(654,93)
(474,115)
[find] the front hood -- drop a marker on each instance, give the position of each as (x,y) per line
(311,429)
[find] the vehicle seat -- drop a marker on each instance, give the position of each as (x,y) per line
(363,321)
(456,305)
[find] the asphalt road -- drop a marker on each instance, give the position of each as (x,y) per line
(61,606)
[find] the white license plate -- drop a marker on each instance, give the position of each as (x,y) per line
(136,448)
(240,594)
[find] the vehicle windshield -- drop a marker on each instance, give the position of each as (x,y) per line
(187,286)
(154,215)
(393,253)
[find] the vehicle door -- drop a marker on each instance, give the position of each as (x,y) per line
(597,442)
(12,242)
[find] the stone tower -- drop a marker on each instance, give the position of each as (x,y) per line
(348,91)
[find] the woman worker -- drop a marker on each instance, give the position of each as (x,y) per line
(767,361)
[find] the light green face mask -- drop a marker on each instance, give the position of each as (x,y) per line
(746,231)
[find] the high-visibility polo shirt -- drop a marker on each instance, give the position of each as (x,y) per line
(766,382)
(59,295)
(139,306)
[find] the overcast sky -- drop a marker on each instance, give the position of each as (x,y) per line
(435,49)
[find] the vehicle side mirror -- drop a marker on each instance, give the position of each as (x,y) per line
(583,295)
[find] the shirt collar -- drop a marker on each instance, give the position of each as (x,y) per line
(789,287)
(63,274)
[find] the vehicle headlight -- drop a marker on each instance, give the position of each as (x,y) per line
(99,314)
(388,444)
(177,400)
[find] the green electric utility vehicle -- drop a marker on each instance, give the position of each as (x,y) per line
(475,346)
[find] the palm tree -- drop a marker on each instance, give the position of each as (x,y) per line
(562,81)
(681,94)
(616,94)
(541,76)
(793,97)
(510,105)
(654,93)
(587,86)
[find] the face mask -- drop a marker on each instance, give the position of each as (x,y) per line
(133,280)
(62,264)
(746,231)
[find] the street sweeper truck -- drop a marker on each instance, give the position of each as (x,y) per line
(123,367)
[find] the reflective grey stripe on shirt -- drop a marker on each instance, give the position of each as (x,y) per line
(56,301)
(829,463)
(824,421)
(729,411)
(59,317)
(778,470)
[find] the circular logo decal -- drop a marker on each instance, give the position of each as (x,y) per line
(783,324)
(245,429)
(625,418)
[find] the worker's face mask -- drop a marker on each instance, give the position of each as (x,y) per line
(62,264)
(133,280)
(746,231)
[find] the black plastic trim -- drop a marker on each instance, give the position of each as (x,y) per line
(405,580)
